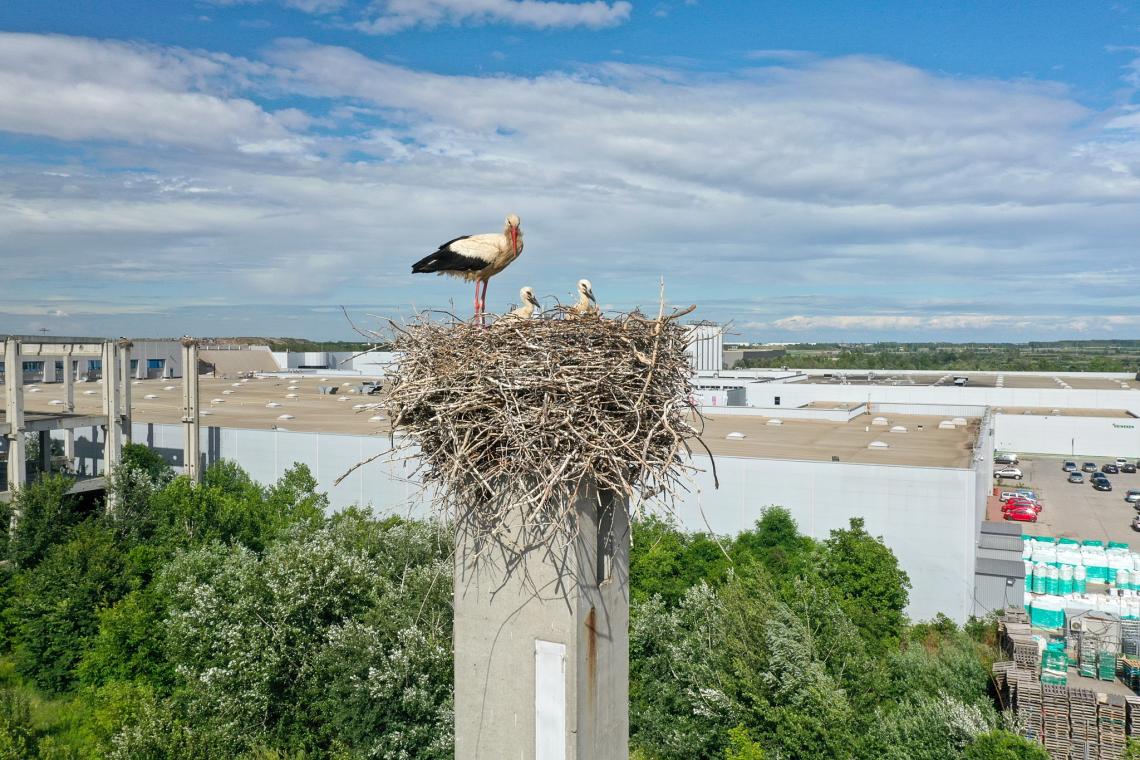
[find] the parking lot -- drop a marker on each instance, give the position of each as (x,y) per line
(1077,510)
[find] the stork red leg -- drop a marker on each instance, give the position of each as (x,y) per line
(476,298)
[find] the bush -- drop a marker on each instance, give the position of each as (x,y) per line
(46,512)
(335,635)
(54,606)
(1002,745)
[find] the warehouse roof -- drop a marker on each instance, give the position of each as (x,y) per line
(924,444)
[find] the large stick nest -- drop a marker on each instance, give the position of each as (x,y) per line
(522,414)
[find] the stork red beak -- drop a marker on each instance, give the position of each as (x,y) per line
(515,239)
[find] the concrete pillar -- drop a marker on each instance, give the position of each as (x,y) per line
(190,441)
(124,350)
(14,408)
(542,642)
(49,369)
(113,439)
(69,405)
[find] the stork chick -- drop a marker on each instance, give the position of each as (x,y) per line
(476,258)
(587,304)
(529,303)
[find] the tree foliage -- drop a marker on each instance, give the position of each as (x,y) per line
(231,619)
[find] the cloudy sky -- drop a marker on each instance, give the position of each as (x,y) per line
(810,171)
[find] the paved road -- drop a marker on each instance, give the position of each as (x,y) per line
(1079,511)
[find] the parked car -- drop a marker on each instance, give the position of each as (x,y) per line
(1110,469)
(1098,476)
(1069,467)
(1004,457)
(1021,504)
(1136,522)
(1132,496)
(1128,467)
(370,387)
(1102,485)
(1026,492)
(1088,467)
(1076,477)
(1008,472)
(1021,515)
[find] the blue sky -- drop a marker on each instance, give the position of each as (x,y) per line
(810,171)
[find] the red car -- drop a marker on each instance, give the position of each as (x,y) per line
(1021,515)
(1020,504)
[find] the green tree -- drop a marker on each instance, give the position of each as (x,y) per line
(55,605)
(741,747)
(1002,745)
(872,588)
(46,512)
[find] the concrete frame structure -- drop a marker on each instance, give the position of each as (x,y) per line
(115,419)
(190,419)
(542,641)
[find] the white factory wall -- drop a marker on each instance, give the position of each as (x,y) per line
(934,410)
(1068,436)
(706,346)
(934,543)
(786,413)
(375,364)
(798,394)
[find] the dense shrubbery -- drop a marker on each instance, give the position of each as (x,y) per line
(231,620)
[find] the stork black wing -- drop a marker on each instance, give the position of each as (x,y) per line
(447,260)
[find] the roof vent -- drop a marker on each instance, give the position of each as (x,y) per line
(898,429)
(878,445)
(775,421)
(882,421)
(735,436)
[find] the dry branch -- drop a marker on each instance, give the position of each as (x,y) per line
(523,413)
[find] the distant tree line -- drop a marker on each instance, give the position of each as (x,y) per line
(233,620)
(996,358)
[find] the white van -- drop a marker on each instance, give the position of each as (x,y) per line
(1005,457)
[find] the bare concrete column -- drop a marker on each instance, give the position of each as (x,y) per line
(113,439)
(69,405)
(14,407)
(191,446)
(124,349)
(542,642)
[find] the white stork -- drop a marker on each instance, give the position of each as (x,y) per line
(476,257)
(529,304)
(587,304)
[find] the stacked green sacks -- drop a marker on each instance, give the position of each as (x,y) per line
(1054,664)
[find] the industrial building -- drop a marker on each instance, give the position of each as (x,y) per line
(910,453)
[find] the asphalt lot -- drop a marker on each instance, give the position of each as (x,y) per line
(1078,511)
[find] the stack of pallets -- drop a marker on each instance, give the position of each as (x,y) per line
(1130,672)
(1111,721)
(1132,715)
(1028,701)
(1106,665)
(1083,724)
(1088,648)
(1001,671)
(1025,654)
(1055,720)
(1130,637)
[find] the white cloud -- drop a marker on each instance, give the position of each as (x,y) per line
(861,181)
(398,15)
(75,88)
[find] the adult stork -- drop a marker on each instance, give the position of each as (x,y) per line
(476,257)
(529,304)
(587,304)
